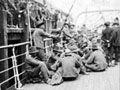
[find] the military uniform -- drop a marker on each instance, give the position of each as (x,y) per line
(34,67)
(70,65)
(96,61)
(115,40)
(106,36)
(38,37)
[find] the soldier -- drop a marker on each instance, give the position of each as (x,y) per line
(66,32)
(70,65)
(106,35)
(97,60)
(34,66)
(115,40)
(38,37)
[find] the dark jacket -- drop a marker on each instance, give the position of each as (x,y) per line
(107,33)
(115,39)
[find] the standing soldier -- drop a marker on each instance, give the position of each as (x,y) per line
(115,40)
(106,35)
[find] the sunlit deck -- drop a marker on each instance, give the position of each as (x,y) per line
(108,80)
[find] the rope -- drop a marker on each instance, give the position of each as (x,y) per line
(71,8)
(68,14)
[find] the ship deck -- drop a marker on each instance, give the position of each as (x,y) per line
(108,80)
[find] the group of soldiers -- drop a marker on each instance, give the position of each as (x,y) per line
(73,54)
(111,41)
(78,54)
(18,12)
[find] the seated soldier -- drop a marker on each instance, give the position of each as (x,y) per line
(34,66)
(72,46)
(70,65)
(87,52)
(96,61)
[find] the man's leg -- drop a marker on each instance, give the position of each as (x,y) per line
(33,73)
(110,55)
(41,55)
(44,70)
(116,55)
(93,67)
(40,68)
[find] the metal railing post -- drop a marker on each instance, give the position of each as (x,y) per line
(18,84)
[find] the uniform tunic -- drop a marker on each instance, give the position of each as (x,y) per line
(97,61)
(71,64)
(38,38)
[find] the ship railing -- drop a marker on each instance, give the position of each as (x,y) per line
(48,42)
(16,76)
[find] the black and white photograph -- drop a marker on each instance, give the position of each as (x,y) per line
(59,44)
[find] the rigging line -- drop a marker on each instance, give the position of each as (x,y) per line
(71,7)
(95,11)
(68,14)
(101,17)
(96,21)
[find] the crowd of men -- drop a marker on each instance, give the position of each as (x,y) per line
(79,54)
(73,53)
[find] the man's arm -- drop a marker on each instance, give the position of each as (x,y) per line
(56,64)
(90,59)
(88,55)
(45,34)
(67,33)
(79,60)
